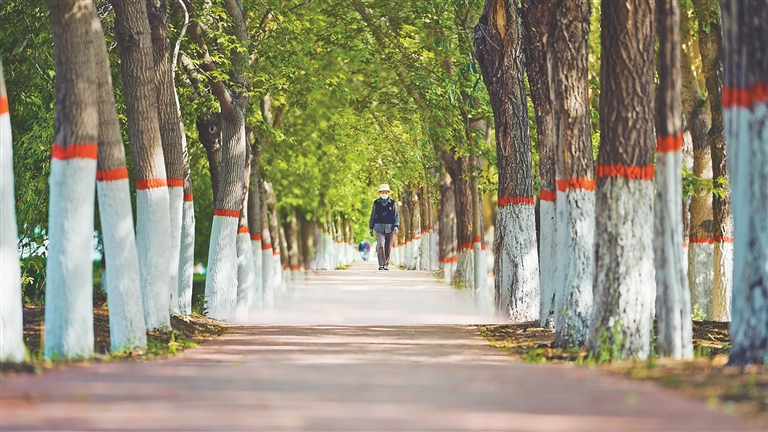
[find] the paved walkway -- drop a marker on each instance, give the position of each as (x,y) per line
(401,368)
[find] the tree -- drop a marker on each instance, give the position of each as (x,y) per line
(622,317)
(538,19)
(12,331)
(498,38)
(153,229)
(711,47)
(574,174)
(127,329)
(69,282)
(172,137)
(745,110)
(673,301)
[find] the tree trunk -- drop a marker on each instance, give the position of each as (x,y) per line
(622,318)
(246,275)
(171,134)
(538,21)
(153,231)
(700,247)
(447,227)
(291,228)
(673,302)
(745,106)
(424,241)
(711,47)
(463,274)
(12,332)
(69,272)
(497,46)
(269,278)
(256,230)
(127,330)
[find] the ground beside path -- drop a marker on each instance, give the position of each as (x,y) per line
(417,373)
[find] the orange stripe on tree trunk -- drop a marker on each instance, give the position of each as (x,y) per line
(243,230)
(75,151)
(745,98)
(188,197)
(256,237)
(625,171)
(227,213)
(112,174)
(266,246)
(587,184)
(175,182)
(505,201)
(464,246)
(669,144)
(152,183)
(710,240)
(546,195)
(3,104)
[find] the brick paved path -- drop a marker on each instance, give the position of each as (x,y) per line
(406,371)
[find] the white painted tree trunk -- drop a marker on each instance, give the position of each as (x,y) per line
(69,270)
(701,275)
(464,271)
(246,276)
(625,286)
(722,291)
(424,255)
(176,205)
(434,250)
(11,319)
(576,263)
(127,330)
(270,277)
(547,261)
(222,268)
(258,269)
(187,256)
(673,302)
(154,246)
(482,293)
(517,263)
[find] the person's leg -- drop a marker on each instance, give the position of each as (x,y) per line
(380,248)
(388,247)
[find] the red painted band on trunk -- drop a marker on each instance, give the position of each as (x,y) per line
(255,237)
(745,98)
(175,182)
(424,231)
(112,174)
(75,151)
(546,195)
(586,184)
(227,213)
(625,171)
(153,183)
(276,252)
(685,245)
(449,259)
(562,185)
(188,197)
(477,239)
(243,230)
(294,268)
(417,238)
(266,246)
(3,104)
(724,239)
(464,246)
(505,201)
(669,144)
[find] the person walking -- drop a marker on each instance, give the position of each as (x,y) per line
(385,220)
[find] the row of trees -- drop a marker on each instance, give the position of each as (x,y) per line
(600,289)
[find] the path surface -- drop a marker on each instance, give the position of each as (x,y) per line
(426,375)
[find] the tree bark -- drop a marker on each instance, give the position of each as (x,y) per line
(538,19)
(673,302)
(246,275)
(498,48)
(171,134)
(624,290)
(269,278)
(12,332)
(711,47)
(127,330)
(447,227)
(256,230)
(745,106)
(153,230)
(69,272)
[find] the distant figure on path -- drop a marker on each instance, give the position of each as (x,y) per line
(385,220)
(365,250)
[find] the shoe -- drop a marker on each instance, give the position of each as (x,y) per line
(386,268)
(381,268)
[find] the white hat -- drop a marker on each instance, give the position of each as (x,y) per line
(384,187)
